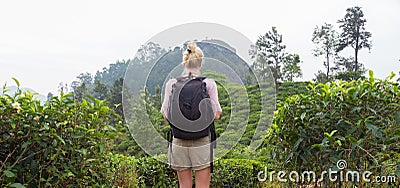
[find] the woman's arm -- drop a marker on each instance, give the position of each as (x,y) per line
(217,115)
(165,104)
(213,92)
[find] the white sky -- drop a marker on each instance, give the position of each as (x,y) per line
(45,42)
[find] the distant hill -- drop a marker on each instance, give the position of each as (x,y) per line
(220,42)
(215,51)
(12,89)
(153,65)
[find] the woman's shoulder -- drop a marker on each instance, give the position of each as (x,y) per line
(210,82)
(171,81)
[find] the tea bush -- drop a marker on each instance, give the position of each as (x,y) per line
(120,171)
(60,143)
(356,121)
(154,173)
(227,173)
(236,173)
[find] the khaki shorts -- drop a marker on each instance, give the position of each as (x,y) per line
(189,154)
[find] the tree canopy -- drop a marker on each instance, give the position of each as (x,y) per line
(353,33)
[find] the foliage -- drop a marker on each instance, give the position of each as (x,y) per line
(227,173)
(60,143)
(291,88)
(291,68)
(261,155)
(120,171)
(343,70)
(236,173)
(100,90)
(350,75)
(114,71)
(346,64)
(80,90)
(154,173)
(115,97)
(357,121)
(321,77)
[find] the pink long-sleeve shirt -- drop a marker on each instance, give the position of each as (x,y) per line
(211,88)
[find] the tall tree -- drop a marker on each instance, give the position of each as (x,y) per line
(326,39)
(354,34)
(269,53)
(86,78)
(270,58)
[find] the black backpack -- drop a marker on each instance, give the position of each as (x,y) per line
(190,113)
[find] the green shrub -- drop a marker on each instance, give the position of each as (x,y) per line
(120,171)
(61,143)
(287,89)
(357,121)
(236,173)
(350,75)
(155,173)
(227,173)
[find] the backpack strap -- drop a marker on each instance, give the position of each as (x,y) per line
(201,78)
(169,135)
(213,145)
(190,76)
(169,139)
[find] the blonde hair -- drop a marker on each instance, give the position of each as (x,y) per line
(192,57)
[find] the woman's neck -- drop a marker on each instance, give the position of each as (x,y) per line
(195,72)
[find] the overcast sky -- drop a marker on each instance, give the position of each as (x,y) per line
(43,43)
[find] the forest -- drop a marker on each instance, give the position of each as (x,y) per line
(84,136)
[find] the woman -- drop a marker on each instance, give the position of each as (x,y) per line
(188,155)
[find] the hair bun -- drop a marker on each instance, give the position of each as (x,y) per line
(191,47)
